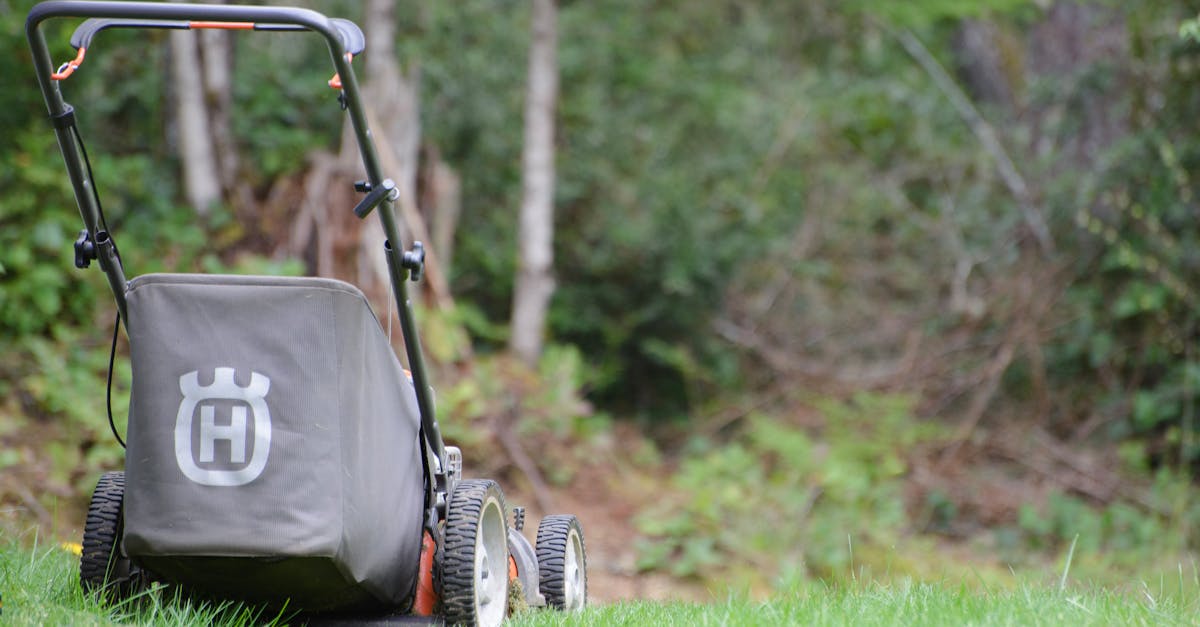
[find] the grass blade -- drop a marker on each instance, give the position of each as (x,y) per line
(1062,583)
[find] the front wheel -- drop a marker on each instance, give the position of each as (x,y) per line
(474,563)
(562,562)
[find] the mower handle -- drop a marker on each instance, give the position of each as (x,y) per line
(351,36)
(343,38)
(146,14)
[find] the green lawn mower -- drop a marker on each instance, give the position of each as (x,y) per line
(277,451)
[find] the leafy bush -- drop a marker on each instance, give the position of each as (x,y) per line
(543,407)
(1132,305)
(781,498)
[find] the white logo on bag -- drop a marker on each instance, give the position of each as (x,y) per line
(223,388)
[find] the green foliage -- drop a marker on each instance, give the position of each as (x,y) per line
(283,108)
(1172,600)
(1117,528)
(1110,544)
(40,586)
(1132,305)
(711,157)
(471,59)
(1190,29)
(36,288)
(668,187)
(69,383)
(785,497)
(664,118)
(924,12)
(543,407)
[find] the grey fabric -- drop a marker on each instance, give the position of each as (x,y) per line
(270,419)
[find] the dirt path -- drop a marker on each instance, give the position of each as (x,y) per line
(610,536)
(607,497)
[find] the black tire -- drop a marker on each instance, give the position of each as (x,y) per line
(102,567)
(474,555)
(562,562)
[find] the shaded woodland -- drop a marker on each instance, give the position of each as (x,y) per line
(921,273)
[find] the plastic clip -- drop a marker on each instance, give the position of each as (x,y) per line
(64,120)
(336,81)
(69,67)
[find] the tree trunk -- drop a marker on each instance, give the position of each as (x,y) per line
(985,62)
(216,54)
(439,190)
(393,113)
(201,179)
(535,280)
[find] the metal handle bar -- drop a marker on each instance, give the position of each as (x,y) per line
(351,36)
(343,36)
(180,12)
(343,39)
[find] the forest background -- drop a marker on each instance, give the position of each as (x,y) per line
(840,288)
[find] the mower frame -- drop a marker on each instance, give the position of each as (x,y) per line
(344,40)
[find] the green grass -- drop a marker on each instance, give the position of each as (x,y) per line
(911,604)
(40,587)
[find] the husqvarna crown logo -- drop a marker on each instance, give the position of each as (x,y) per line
(246,439)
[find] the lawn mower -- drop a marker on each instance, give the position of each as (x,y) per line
(278,453)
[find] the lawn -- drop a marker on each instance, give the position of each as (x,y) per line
(40,587)
(905,604)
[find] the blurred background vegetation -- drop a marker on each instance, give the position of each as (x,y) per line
(841,284)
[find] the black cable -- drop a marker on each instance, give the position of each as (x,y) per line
(87,163)
(112,358)
(112,353)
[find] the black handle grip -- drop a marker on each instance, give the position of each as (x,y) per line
(82,37)
(352,35)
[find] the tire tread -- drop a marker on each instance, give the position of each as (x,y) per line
(552,537)
(101,564)
(456,563)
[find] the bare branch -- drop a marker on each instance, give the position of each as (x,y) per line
(983,131)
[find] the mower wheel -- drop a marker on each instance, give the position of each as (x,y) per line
(562,562)
(474,556)
(102,567)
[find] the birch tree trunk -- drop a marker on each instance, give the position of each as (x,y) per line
(392,102)
(216,55)
(393,112)
(201,178)
(441,201)
(535,238)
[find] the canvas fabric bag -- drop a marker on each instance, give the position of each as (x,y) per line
(273,446)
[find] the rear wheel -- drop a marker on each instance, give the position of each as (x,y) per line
(474,563)
(102,566)
(562,562)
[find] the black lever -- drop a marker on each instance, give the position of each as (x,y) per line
(414,260)
(85,250)
(376,194)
